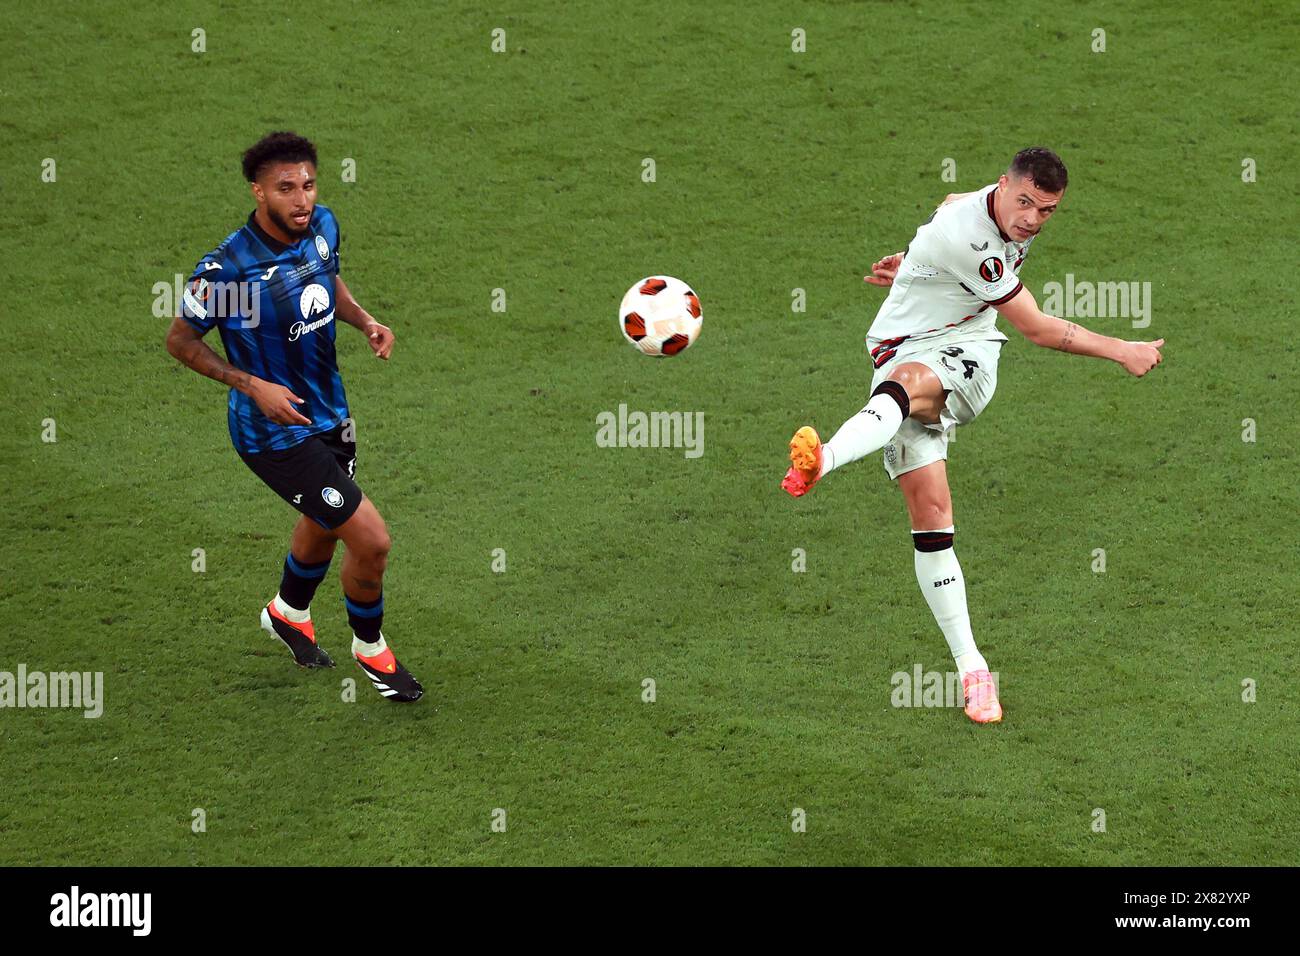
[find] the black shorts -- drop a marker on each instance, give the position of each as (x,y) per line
(315,476)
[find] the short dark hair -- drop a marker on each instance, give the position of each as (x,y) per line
(278,147)
(1042,166)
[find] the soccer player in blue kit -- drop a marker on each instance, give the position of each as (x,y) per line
(272,289)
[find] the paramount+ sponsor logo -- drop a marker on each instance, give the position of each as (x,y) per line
(102,910)
(314,301)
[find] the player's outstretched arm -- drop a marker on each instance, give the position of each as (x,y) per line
(349,310)
(1022,311)
(185,344)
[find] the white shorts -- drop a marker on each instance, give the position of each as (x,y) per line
(968,370)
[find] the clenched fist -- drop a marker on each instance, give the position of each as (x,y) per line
(1142,357)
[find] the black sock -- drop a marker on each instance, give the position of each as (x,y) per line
(931,541)
(300,581)
(365,617)
(897,393)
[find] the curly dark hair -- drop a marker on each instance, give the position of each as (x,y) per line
(278,147)
(1042,166)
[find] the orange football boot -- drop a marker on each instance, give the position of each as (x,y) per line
(300,638)
(386,672)
(982,705)
(805,462)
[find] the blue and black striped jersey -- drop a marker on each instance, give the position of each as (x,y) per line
(273,305)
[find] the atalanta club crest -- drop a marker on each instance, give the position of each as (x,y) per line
(991,269)
(322,248)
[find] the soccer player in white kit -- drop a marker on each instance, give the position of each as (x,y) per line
(935,348)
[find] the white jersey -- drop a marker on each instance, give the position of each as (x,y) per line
(959,265)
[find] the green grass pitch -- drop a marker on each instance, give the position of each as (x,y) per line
(775,170)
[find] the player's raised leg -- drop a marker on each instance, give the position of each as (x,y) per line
(929,504)
(288,615)
(912,389)
(365,538)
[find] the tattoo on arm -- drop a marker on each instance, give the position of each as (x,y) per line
(1071,330)
(199,356)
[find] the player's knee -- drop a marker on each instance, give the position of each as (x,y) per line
(931,516)
(375,546)
(912,377)
(369,542)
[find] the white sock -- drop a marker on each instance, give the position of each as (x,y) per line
(369,648)
(291,613)
(867,431)
(939,575)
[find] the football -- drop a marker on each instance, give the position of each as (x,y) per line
(660,315)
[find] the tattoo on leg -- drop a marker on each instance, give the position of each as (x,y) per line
(1070,331)
(367,584)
